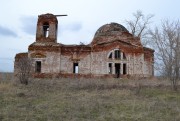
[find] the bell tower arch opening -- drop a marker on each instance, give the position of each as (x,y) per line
(47,28)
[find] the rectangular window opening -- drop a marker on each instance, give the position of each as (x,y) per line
(110,68)
(124,56)
(124,68)
(75,68)
(38,67)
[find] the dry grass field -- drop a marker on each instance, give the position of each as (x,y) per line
(88,100)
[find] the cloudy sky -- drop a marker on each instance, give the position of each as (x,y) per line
(19,18)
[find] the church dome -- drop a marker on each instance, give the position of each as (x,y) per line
(109,33)
(110,29)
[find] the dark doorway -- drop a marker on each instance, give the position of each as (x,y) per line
(75,68)
(124,68)
(117,69)
(38,66)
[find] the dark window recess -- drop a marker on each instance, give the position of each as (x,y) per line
(117,54)
(124,56)
(110,56)
(46,29)
(124,68)
(75,68)
(110,68)
(38,66)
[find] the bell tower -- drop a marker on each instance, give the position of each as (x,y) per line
(47,27)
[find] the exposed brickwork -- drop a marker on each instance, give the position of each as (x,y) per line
(112,52)
(21,55)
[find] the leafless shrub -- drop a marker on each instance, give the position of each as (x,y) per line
(24,70)
(167,43)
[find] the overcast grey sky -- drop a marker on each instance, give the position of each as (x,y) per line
(19,18)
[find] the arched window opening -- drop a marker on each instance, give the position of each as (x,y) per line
(46,29)
(117,63)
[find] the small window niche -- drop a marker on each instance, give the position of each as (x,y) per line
(46,29)
(38,67)
(75,68)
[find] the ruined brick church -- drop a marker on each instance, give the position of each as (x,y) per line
(113,52)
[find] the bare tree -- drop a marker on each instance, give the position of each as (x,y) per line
(167,43)
(24,66)
(139,26)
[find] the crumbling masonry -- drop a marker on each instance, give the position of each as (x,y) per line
(113,52)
